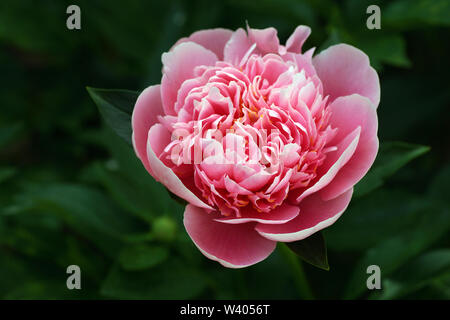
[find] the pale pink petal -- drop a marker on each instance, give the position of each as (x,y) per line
(215,167)
(178,66)
(158,138)
(256,181)
(303,61)
(146,110)
(279,215)
(234,246)
(211,39)
(345,70)
(348,113)
(266,39)
(237,47)
(297,39)
(315,215)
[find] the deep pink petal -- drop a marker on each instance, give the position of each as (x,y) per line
(158,138)
(178,66)
(297,39)
(211,39)
(234,246)
(146,110)
(348,113)
(279,215)
(345,70)
(315,214)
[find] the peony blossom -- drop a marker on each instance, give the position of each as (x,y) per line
(264,142)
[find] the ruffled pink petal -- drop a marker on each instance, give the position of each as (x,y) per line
(256,181)
(315,214)
(348,113)
(345,70)
(215,167)
(334,162)
(303,61)
(279,215)
(178,66)
(266,39)
(146,110)
(233,246)
(297,39)
(237,47)
(158,138)
(211,39)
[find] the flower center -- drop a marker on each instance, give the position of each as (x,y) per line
(246,137)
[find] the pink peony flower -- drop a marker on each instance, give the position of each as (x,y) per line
(264,142)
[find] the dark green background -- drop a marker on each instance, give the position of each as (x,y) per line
(71,192)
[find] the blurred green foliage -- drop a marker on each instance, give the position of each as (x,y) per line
(72,192)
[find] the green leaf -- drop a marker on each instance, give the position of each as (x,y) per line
(414,14)
(391,157)
(86,210)
(312,250)
(417,274)
(385,48)
(10,132)
(379,215)
(440,187)
(116,107)
(171,280)
(130,195)
(6,173)
(128,181)
(395,251)
(142,256)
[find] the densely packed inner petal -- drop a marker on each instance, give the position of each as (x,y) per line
(248,134)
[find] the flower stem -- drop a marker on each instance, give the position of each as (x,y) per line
(297,270)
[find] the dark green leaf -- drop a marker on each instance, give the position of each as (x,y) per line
(129,194)
(171,280)
(125,175)
(417,274)
(6,173)
(393,252)
(9,132)
(379,215)
(391,157)
(414,14)
(116,107)
(386,48)
(142,256)
(86,210)
(440,186)
(312,250)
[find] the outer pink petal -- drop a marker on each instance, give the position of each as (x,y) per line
(334,162)
(279,215)
(297,39)
(315,214)
(146,110)
(345,70)
(178,66)
(266,39)
(234,246)
(158,138)
(348,113)
(237,47)
(211,39)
